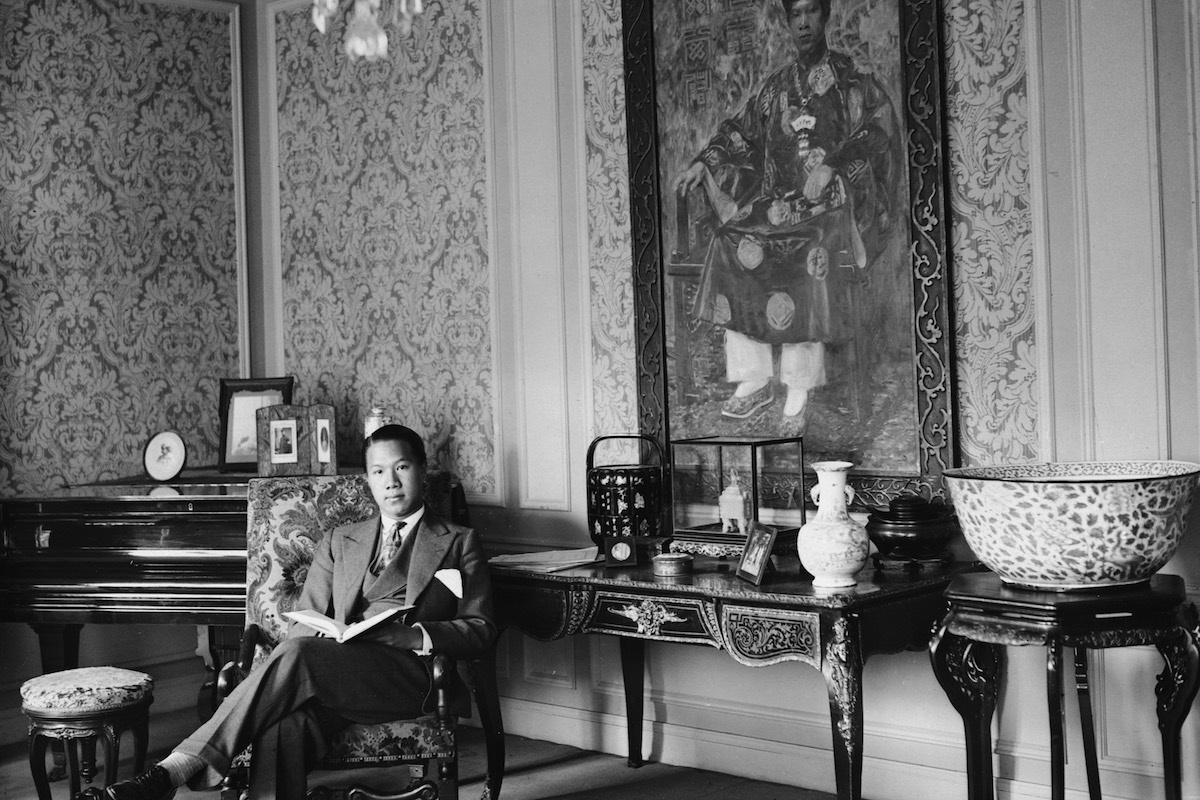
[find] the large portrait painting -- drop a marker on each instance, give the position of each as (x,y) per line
(791,276)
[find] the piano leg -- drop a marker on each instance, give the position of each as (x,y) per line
(59,645)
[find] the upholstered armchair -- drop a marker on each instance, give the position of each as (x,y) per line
(286,519)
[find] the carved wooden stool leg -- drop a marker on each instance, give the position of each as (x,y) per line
(1176,689)
(141,741)
(969,674)
(58,771)
(1083,690)
(70,745)
(38,745)
(87,759)
(112,753)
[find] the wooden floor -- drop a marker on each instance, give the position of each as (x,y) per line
(536,771)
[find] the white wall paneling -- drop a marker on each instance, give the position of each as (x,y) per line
(1121,174)
(537,177)
(1113,191)
(1177,25)
(539,259)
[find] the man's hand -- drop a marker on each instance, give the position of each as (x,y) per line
(692,177)
(404,637)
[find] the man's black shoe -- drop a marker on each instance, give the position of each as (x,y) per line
(153,784)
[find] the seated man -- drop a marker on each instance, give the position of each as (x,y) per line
(311,686)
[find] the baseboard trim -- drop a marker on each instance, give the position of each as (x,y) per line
(803,765)
(791,764)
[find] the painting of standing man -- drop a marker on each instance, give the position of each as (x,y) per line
(803,181)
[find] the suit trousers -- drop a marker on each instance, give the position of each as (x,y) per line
(293,703)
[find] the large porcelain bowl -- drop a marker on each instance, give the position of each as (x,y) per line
(1075,525)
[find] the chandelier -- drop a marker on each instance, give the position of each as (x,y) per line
(365,36)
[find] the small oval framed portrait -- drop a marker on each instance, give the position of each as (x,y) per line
(619,551)
(164,456)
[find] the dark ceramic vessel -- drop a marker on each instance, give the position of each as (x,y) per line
(912,527)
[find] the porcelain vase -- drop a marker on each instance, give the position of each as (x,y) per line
(833,546)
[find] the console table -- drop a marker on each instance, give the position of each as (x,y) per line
(968,658)
(784,619)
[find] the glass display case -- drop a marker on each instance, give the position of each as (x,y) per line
(722,483)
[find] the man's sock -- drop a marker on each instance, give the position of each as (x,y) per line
(181,767)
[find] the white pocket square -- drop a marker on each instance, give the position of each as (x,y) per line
(452,578)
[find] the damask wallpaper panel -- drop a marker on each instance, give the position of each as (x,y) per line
(614,376)
(119,251)
(383,199)
(987,117)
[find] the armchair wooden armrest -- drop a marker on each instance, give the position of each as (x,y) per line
(234,671)
(443,668)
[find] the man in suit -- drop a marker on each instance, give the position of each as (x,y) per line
(312,686)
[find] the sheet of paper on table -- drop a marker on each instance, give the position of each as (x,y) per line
(549,560)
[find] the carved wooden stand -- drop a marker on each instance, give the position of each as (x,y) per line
(968,658)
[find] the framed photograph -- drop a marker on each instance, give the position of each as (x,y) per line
(789,226)
(756,556)
(619,551)
(165,456)
(239,401)
(324,441)
(283,441)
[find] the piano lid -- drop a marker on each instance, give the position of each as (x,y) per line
(191,482)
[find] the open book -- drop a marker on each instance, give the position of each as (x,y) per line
(340,631)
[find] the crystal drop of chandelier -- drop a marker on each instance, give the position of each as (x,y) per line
(365,36)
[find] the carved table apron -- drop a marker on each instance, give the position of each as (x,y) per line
(784,619)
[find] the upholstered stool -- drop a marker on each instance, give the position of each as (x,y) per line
(86,704)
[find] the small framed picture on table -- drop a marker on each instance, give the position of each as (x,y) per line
(756,555)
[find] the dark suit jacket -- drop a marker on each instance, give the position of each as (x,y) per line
(462,628)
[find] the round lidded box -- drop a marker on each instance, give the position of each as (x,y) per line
(670,565)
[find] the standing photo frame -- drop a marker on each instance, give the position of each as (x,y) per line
(684,88)
(239,400)
(755,560)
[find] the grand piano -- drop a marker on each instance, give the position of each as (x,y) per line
(127,551)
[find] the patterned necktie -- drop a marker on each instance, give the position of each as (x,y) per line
(390,545)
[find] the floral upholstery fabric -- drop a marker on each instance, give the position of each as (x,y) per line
(407,741)
(87,689)
(287,517)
